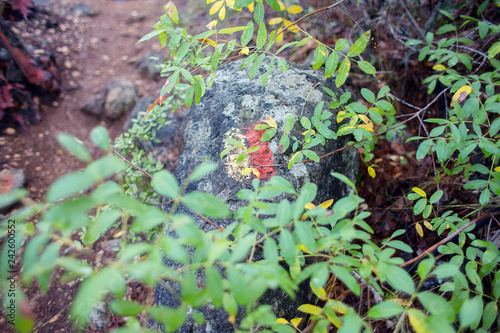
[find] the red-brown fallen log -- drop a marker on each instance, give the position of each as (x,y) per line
(40,72)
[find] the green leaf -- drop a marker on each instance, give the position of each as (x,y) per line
(94,289)
(274,4)
(319,56)
(238,4)
(331,64)
(385,310)
(99,135)
(74,146)
(359,45)
(444,271)
(399,279)
(171,319)
(347,278)
(296,158)
(165,184)
(268,134)
(494,50)
(258,12)
(287,247)
(425,267)
(229,31)
(484,198)
(368,95)
(445,28)
(125,308)
(341,44)
(264,77)
(396,244)
(256,65)
(419,206)
(12,196)
(311,155)
(437,306)
(261,36)
(271,251)
(344,179)
(206,204)
(247,35)
(366,67)
(471,312)
(490,314)
(423,149)
(202,170)
(215,285)
(344,69)
(290,121)
(68,185)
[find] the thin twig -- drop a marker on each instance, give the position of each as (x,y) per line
(445,240)
(412,20)
(133,165)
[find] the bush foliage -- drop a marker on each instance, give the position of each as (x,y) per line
(463,144)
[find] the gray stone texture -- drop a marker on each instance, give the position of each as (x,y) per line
(233,104)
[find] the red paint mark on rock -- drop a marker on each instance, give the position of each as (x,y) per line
(261,157)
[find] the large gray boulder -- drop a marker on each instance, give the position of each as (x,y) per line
(230,109)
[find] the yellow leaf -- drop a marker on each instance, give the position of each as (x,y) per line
(230,3)
(326,204)
(296,321)
(250,7)
(318,291)
(279,36)
(461,94)
(339,118)
(439,68)
(282,321)
(305,249)
(244,50)
(222,13)
(232,318)
(310,205)
(497,169)
(365,119)
(334,319)
(371,172)
(420,231)
(311,309)
(207,40)
(419,192)
(212,24)
(209,2)
(417,321)
(338,306)
(215,7)
(292,27)
(256,173)
(400,301)
(245,171)
(275,20)
(294,9)
(367,127)
(270,121)
(311,130)
(282,5)
(428,225)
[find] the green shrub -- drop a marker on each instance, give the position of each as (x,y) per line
(340,241)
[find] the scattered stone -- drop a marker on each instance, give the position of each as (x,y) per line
(150,65)
(99,317)
(230,109)
(83,9)
(10,131)
(118,98)
(11,180)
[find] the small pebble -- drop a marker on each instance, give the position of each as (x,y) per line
(10,131)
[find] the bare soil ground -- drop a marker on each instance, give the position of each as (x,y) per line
(90,51)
